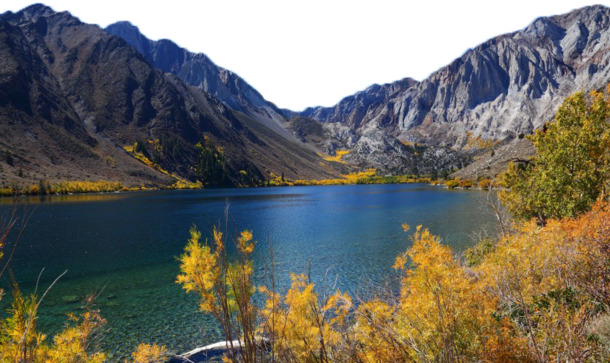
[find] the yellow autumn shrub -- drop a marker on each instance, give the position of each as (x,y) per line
(76,343)
(443,312)
(20,340)
(550,282)
(304,329)
(225,288)
(149,353)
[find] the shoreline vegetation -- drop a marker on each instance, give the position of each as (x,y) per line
(44,187)
(137,151)
(536,293)
(86,186)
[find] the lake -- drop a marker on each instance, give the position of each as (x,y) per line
(124,247)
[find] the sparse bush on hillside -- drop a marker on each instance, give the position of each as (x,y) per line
(8,158)
(110,161)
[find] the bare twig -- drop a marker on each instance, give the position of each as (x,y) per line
(7,223)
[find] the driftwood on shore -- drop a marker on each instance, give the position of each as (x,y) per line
(212,352)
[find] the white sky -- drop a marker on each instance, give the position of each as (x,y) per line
(315,52)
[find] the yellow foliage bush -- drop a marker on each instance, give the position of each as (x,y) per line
(149,353)
(485,183)
(443,313)
(465,183)
(339,154)
(554,279)
(531,298)
(302,329)
(452,184)
(21,342)
(225,288)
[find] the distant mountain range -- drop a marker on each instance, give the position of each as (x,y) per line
(76,100)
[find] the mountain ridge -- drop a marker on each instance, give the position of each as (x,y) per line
(75,97)
(68,87)
(197,69)
(509,84)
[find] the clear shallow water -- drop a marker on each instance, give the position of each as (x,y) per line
(123,247)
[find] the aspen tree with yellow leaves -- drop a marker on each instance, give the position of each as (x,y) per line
(572,166)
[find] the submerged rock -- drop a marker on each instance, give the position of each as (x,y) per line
(70,299)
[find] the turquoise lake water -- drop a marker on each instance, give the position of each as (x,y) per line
(124,247)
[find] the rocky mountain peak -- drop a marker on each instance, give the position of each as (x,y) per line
(509,84)
(131,34)
(198,70)
(37,12)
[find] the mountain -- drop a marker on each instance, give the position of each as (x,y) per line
(196,69)
(509,85)
(74,98)
(199,71)
(81,102)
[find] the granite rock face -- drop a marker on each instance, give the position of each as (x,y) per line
(509,85)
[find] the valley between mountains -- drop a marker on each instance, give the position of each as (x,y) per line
(78,102)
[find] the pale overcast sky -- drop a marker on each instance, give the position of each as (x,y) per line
(315,52)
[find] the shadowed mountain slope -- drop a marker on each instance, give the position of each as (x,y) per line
(196,69)
(72,97)
(385,153)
